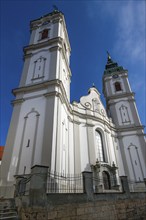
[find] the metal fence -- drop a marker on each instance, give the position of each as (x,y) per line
(137,186)
(64,183)
(68,183)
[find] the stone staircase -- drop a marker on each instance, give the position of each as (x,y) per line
(8,209)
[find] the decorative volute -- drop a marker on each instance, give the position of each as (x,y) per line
(92,101)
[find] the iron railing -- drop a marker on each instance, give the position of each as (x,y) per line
(64,183)
(68,183)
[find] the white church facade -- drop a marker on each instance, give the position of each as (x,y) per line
(47,130)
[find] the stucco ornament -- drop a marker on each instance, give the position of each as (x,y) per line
(92,102)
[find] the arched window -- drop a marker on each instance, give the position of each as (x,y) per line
(44,34)
(118,86)
(99,146)
(106,180)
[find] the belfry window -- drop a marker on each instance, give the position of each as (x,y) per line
(118,86)
(44,34)
(99,146)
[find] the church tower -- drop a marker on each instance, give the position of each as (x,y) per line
(121,107)
(44,85)
(47,130)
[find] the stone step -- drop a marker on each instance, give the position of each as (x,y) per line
(8,210)
(8,213)
(4,206)
(6,201)
(9,218)
(7,204)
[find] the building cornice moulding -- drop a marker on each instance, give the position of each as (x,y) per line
(128,128)
(122,95)
(56,40)
(93,118)
(36,86)
(46,18)
(17,101)
(123,73)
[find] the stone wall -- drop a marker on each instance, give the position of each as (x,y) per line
(127,209)
(111,205)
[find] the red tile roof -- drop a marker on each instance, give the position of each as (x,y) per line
(1,152)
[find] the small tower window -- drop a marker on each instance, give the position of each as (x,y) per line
(118,86)
(44,34)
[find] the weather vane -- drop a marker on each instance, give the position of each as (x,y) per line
(55,8)
(108,55)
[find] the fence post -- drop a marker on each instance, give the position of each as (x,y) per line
(125,185)
(88,183)
(38,185)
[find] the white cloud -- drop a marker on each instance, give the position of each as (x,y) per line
(130,32)
(129,21)
(128,41)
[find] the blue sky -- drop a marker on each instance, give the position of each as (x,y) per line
(93,28)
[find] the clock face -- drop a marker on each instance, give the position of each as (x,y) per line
(115,76)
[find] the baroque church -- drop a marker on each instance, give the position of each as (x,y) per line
(69,138)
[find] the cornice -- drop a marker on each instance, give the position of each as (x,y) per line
(55,48)
(76,122)
(89,125)
(108,77)
(143,135)
(63,97)
(44,85)
(48,94)
(85,116)
(113,102)
(57,20)
(122,95)
(25,56)
(38,86)
(128,128)
(17,101)
(43,44)
(48,17)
